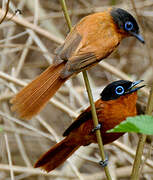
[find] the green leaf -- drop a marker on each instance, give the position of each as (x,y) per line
(139,124)
(1,129)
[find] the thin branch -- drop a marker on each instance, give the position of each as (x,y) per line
(4,115)
(37,29)
(139,152)
(31,170)
(23,57)
(65,11)
(48,127)
(12,79)
(6,11)
(131,152)
(14,37)
(88,88)
(121,172)
(137,162)
(85,11)
(9,157)
(21,131)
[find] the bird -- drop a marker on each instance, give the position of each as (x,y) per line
(117,102)
(92,39)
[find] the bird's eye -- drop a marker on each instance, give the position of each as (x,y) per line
(119,90)
(128,26)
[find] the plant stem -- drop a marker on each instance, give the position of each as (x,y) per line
(88,88)
(139,152)
(6,11)
(141,143)
(65,11)
(95,121)
(137,160)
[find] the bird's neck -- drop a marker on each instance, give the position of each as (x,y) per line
(126,102)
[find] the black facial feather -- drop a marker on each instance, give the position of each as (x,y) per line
(121,16)
(109,93)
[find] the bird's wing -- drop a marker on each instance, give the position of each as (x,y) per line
(66,50)
(79,63)
(76,52)
(85,116)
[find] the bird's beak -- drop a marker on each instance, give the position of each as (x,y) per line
(138,36)
(132,89)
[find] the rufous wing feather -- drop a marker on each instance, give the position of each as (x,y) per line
(31,99)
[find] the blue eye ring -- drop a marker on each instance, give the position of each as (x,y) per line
(119,90)
(128,26)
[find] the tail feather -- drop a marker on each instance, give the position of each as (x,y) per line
(56,155)
(31,99)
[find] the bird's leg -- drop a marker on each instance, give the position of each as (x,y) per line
(96,128)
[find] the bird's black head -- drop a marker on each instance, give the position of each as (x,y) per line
(126,22)
(119,88)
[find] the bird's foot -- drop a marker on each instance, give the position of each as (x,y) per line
(96,128)
(104,163)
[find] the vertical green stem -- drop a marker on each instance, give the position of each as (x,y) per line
(137,160)
(65,11)
(95,121)
(88,88)
(139,152)
(141,143)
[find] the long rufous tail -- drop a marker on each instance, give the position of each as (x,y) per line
(56,155)
(31,99)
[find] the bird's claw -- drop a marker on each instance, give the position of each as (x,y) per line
(104,163)
(96,128)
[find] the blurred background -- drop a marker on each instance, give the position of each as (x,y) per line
(29,35)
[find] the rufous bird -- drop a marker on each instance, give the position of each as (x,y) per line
(117,102)
(92,39)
